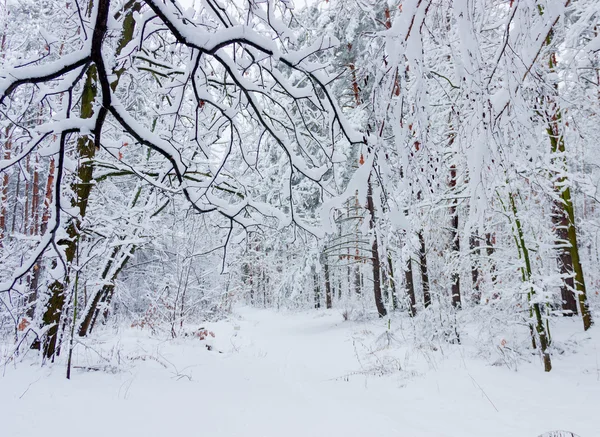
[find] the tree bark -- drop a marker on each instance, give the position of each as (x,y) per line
(410,288)
(490,240)
(475,255)
(317,288)
(4,189)
(82,187)
(357,279)
(86,151)
(105,294)
(375,253)
(35,199)
(456,298)
(327,286)
(103,299)
(563,214)
(543,333)
(424,273)
(392,281)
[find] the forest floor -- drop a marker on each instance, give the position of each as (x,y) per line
(308,374)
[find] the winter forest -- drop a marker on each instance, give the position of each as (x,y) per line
(300,218)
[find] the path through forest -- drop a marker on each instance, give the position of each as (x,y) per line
(296,375)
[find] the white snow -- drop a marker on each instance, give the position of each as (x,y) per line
(301,374)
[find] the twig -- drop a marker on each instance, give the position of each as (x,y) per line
(483,391)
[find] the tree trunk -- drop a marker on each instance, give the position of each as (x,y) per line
(7,150)
(26,208)
(327,286)
(564,214)
(490,240)
(566,232)
(82,187)
(317,288)
(85,174)
(251,282)
(456,299)
(579,278)
(565,260)
(84,326)
(35,199)
(38,229)
(4,189)
(543,333)
(475,255)
(357,279)
(424,273)
(85,151)
(102,300)
(392,280)
(375,253)
(410,288)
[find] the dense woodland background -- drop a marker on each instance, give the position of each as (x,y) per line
(436,160)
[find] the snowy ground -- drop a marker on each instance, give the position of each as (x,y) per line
(299,374)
